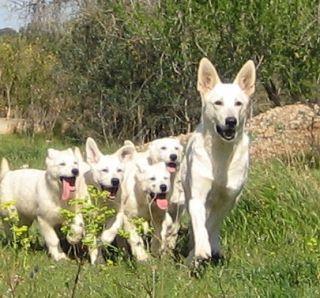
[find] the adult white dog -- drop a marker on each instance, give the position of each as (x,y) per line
(217,157)
(40,195)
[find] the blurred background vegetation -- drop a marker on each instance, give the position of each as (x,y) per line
(127,69)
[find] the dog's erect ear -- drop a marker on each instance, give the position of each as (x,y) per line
(142,165)
(207,76)
(126,152)
(4,167)
(152,151)
(78,154)
(246,78)
(70,151)
(92,151)
(51,153)
(128,143)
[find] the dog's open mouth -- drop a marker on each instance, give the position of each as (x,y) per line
(226,132)
(171,167)
(160,199)
(68,187)
(112,190)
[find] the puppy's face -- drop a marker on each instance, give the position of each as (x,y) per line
(63,166)
(108,170)
(154,180)
(225,105)
(167,150)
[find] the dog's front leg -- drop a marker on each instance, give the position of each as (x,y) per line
(159,238)
(112,228)
(76,230)
(135,241)
(51,239)
(200,189)
(215,219)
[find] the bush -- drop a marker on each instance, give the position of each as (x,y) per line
(127,69)
(139,75)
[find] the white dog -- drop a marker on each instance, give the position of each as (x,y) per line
(145,192)
(106,172)
(40,195)
(217,158)
(168,150)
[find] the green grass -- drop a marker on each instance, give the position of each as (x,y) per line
(271,241)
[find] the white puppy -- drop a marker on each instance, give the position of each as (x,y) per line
(106,172)
(145,192)
(169,151)
(40,195)
(217,157)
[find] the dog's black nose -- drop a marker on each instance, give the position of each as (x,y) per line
(163,188)
(231,122)
(75,172)
(173,157)
(115,182)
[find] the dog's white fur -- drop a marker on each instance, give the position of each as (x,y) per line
(215,167)
(101,171)
(37,194)
(140,180)
(168,150)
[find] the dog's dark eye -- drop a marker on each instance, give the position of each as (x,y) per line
(218,103)
(163,148)
(119,170)
(153,178)
(105,170)
(62,164)
(166,178)
(176,148)
(238,103)
(75,163)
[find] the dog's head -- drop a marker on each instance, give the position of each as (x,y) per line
(63,166)
(225,105)
(168,150)
(108,170)
(154,181)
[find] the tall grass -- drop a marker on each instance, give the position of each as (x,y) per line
(271,242)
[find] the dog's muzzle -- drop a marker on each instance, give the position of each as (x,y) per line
(112,190)
(226,132)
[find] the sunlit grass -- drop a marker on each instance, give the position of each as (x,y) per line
(271,241)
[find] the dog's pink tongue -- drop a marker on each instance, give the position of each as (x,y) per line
(162,203)
(171,170)
(66,190)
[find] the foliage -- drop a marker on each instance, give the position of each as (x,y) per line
(95,213)
(127,69)
(20,233)
(31,83)
(140,72)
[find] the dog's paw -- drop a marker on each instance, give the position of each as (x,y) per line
(142,256)
(75,235)
(96,256)
(74,238)
(60,256)
(203,251)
